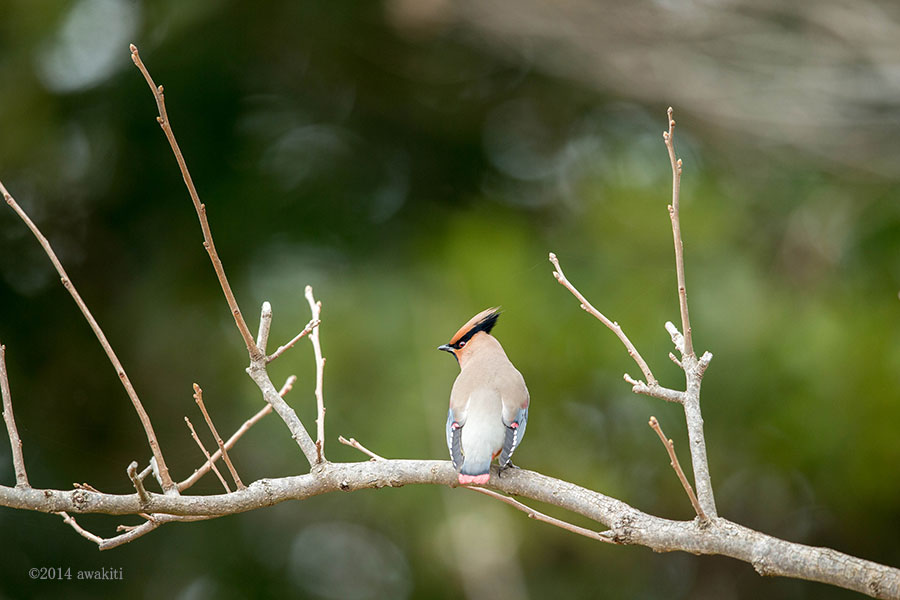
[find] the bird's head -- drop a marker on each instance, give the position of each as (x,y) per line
(470,336)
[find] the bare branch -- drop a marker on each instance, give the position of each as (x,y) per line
(138,484)
(677,338)
(133,532)
(265,324)
(167,484)
(673,460)
(198,397)
(209,460)
(654,390)
(676,361)
(669,139)
(316,309)
(86,486)
(697,444)
(693,368)
(306,330)
(163,121)
(539,516)
(769,556)
(354,444)
(81,531)
(257,372)
(613,326)
(15,442)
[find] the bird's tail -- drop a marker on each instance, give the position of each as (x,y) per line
(475,471)
(476,479)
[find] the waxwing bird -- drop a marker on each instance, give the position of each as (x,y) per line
(488,402)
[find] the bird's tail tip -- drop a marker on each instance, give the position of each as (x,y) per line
(476,479)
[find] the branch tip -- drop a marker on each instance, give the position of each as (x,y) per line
(138,484)
(198,396)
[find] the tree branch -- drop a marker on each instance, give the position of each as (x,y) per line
(768,555)
(316,309)
(257,368)
(198,397)
(15,442)
(136,481)
(163,120)
(166,480)
(673,460)
(306,330)
(209,460)
(257,372)
(537,515)
(205,468)
(613,326)
(669,139)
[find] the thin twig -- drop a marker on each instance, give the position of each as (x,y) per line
(86,486)
(209,460)
(316,309)
(669,139)
(354,444)
(133,532)
(138,484)
(613,326)
(81,531)
(306,330)
(673,460)
(198,397)
(15,441)
(163,121)
(539,516)
(167,484)
(654,390)
(205,468)
(675,360)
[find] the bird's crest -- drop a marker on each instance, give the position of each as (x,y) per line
(483,321)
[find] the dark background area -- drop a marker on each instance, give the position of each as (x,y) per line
(415,161)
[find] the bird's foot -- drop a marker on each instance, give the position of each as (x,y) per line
(504,468)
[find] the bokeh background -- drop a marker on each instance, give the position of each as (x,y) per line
(415,161)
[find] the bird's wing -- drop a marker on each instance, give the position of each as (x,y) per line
(515,431)
(454,440)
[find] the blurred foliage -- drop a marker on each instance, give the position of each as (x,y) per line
(414,176)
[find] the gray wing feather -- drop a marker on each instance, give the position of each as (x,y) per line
(514,437)
(454,441)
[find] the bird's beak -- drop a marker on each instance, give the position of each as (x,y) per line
(445,348)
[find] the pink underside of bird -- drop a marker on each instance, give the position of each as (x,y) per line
(479,479)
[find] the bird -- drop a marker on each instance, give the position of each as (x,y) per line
(488,401)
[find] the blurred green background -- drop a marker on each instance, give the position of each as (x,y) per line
(415,161)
